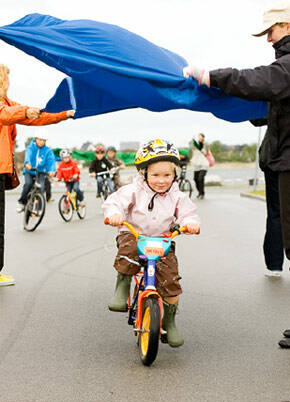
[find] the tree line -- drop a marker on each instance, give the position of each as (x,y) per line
(233,153)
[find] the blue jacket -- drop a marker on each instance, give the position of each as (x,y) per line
(41,158)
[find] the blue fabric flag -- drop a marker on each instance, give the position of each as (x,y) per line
(110,68)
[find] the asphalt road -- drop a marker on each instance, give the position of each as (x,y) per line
(59,343)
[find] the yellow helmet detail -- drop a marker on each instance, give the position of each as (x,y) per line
(156,151)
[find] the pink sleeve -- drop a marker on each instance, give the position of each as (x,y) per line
(186,211)
(119,202)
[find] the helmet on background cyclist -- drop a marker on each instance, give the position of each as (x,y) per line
(100,149)
(156,151)
(65,153)
(111,148)
(41,133)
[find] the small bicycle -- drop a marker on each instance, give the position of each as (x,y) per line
(35,207)
(105,186)
(183,183)
(68,204)
(145,311)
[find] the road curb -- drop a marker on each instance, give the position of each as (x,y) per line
(254,196)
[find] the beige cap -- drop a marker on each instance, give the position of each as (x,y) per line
(279,12)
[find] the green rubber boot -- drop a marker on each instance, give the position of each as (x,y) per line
(122,291)
(175,338)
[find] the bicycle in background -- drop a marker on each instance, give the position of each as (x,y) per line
(106,190)
(68,204)
(183,183)
(34,209)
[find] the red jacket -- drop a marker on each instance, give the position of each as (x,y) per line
(66,170)
(11,113)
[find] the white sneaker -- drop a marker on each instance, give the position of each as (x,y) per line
(20,208)
(82,204)
(272,274)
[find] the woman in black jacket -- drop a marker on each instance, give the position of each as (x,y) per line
(272,84)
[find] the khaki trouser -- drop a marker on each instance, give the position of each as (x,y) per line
(167,276)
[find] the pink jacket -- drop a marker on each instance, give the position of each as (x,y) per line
(131,201)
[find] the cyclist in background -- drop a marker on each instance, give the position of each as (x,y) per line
(40,157)
(98,165)
(116,162)
(69,172)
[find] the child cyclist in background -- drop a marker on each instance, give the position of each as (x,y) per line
(69,172)
(98,165)
(152,203)
(116,163)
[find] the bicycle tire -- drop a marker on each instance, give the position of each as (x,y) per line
(105,192)
(81,211)
(65,209)
(32,214)
(149,337)
(186,187)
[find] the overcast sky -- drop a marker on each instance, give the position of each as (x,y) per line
(209,33)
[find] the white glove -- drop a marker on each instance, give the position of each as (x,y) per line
(199,74)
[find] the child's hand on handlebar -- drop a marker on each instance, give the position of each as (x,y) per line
(116,220)
(192,228)
(92,174)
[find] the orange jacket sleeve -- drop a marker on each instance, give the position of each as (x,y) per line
(45,119)
(12,114)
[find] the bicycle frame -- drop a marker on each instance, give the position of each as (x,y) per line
(72,196)
(150,250)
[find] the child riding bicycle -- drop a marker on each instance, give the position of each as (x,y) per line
(39,161)
(98,165)
(153,203)
(116,163)
(69,172)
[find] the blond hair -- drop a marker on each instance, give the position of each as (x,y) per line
(4,80)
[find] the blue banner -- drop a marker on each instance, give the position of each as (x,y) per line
(109,68)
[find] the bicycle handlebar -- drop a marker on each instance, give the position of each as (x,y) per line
(106,172)
(136,233)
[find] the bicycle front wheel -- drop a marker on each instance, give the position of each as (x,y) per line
(34,212)
(186,187)
(150,332)
(65,208)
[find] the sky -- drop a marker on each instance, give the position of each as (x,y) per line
(209,34)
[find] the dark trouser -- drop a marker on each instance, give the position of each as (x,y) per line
(100,184)
(75,186)
(199,176)
(47,188)
(29,179)
(284,193)
(273,243)
(2,219)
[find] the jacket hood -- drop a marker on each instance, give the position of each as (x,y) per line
(282,47)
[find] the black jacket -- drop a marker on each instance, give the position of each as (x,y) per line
(97,166)
(269,83)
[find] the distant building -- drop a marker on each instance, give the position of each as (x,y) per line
(87,146)
(129,145)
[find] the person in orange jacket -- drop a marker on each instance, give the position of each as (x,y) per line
(12,113)
(69,172)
